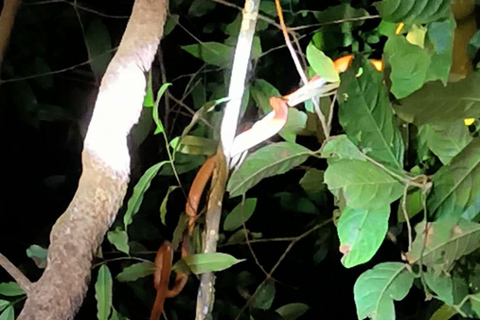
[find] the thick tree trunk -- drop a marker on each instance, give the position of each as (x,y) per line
(106,168)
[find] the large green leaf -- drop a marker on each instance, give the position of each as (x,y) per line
(321,64)
(136,271)
(413,11)
(240,214)
(119,238)
(139,190)
(264,295)
(361,232)
(437,104)
(456,187)
(269,161)
(410,65)
(441,285)
(292,311)
(213,53)
(10,289)
(375,290)
(341,147)
(446,141)
(8,313)
(440,34)
(103,293)
(446,241)
(208,262)
(366,116)
(362,183)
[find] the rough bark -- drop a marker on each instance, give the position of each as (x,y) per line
(106,167)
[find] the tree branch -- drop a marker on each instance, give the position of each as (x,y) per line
(16,274)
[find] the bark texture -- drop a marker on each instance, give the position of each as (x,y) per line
(7,19)
(78,233)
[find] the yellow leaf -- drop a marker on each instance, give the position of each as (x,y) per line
(468,121)
(416,35)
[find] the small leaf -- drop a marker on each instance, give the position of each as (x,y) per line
(261,92)
(264,295)
(413,12)
(446,242)
(4,304)
(240,214)
(8,314)
(363,184)
(103,293)
(119,239)
(313,182)
(321,64)
(361,232)
(136,271)
(156,118)
(414,205)
(197,145)
(199,8)
(171,23)
(441,35)
(441,285)
(163,206)
(213,53)
(456,187)
(98,42)
(292,311)
(446,141)
(141,187)
(208,262)
(416,35)
(38,255)
(375,290)
(269,161)
(445,312)
(408,74)
(341,147)
(10,289)
(366,116)
(437,104)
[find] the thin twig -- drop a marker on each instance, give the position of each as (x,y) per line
(16,274)
(407,218)
(315,25)
(300,71)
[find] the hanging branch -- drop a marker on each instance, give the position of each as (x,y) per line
(228,130)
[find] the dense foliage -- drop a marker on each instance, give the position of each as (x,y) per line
(380,219)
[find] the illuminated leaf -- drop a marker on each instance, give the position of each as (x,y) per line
(119,238)
(103,293)
(413,11)
(136,271)
(213,53)
(208,262)
(240,214)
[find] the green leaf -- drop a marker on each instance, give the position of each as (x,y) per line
(8,314)
(199,8)
(293,202)
(163,206)
(99,45)
(197,145)
(156,118)
(441,34)
(363,184)
(292,311)
(361,232)
(341,12)
(375,290)
(413,11)
(441,285)
(119,239)
(10,289)
(296,122)
(312,182)
(414,205)
(213,53)
(261,92)
(269,161)
(410,65)
(342,148)
(208,262)
(321,64)
(416,35)
(139,190)
(456,187)
(437,104)
(446,141)
(475,300)
(366,116)
(4,304)
(136,271)
(446,242)
(240,214)
(445,312)
(171,23)
(38,255)
(264,295)
(103,293)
